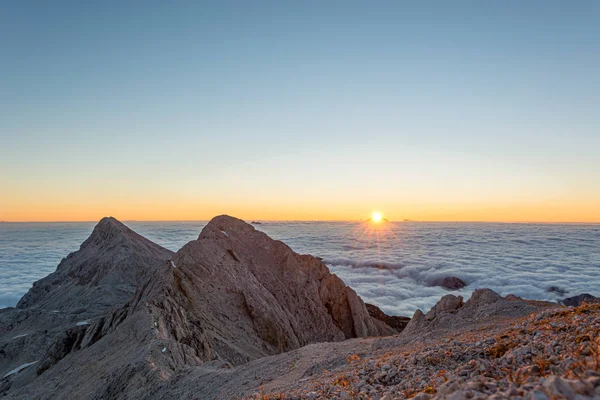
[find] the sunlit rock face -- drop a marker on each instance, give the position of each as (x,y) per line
(451,313)
(254,296)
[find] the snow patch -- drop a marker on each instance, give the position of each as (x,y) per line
(225,233)
(164,350)
(22,335)
(19,368)
(81,323)
(173,264)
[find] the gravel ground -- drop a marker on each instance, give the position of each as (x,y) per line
(551,354)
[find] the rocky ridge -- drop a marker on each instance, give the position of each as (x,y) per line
(231,296)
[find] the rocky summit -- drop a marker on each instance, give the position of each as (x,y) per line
(102,274)
(236,314)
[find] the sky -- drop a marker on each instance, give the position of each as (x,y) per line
(312,110)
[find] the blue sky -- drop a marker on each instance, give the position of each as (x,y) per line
(414,107)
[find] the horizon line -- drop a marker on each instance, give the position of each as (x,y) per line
(313,220)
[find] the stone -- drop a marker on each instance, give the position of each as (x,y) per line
(539,395)
(448,303)
(451,283)
(421,396)
(558,387)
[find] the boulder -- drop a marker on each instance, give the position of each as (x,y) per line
(449,282)
(556,289)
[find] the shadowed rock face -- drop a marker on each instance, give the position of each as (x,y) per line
(398,323)
(229,297)
(54,318)
(449,282)
(580,299)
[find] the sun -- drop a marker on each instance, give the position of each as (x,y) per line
(376,217)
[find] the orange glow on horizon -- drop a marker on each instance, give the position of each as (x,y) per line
(37,211)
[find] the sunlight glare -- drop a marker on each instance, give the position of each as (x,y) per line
(376,217)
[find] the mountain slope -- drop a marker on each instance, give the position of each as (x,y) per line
(229,297)
(102,274)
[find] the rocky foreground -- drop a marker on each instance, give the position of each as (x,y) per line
(235,314)
(552,354)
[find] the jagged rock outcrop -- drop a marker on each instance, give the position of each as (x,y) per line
(396,322)
(556,289)
(580,299)
(449,282)
(451,313)
(104,273)
(229,297)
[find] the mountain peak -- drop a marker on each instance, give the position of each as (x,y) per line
(107,230)
(110,223)
(109,220)
(224,224)
(103,273)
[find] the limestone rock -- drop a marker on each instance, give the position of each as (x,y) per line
(447,304)
(131,315)
(481,297)
(450,313)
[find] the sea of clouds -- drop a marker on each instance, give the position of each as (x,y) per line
(393,265)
